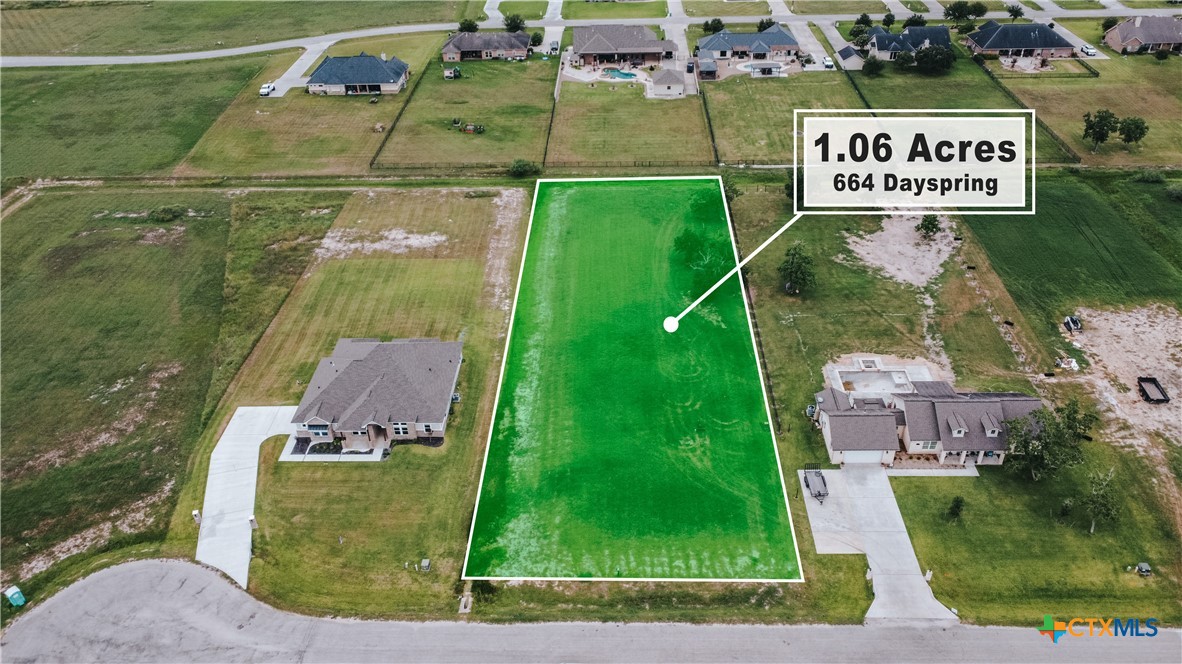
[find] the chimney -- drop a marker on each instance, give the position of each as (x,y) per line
(1137,23)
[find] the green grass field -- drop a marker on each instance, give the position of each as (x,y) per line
(129,120)
(836,6)
(511,99)
(619,450)
(173,27)
(749,114)
(581,9)
(302,134)
(530,10)
(917,6)
(1079,4)
(601,125)
(713,8)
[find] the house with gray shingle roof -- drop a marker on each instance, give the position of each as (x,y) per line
(857,430)
(1142,34)
(486,46)
(359,75)
(886,45)
(370,394)
(668,83)
(634,44)
(774,43)
(1025,40)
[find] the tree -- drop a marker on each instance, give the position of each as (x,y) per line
(1132,129)
(797,269)
(956,508)
(799,183)
(966,27)
(1015,11)
(978,9)
(1045,442)
(857,30)
(521,168)
(713,25)
(865,20)
(1161,54)
(1109,23)
(1099,501)
(469,25)
(934,59)
(729,188)
(928,226)
(536,39)
(888,20)
(514,23)
(957,11)
(765,23)
(904,59)
(916,20)
(873,66)
(861,41)
(1100,126)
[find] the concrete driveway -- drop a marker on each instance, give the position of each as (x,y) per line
(225,536)
(860,515)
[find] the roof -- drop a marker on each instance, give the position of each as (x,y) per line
(365,380)
(832,400)
(911,39)
(668,77)
(619,39)
(707,65)
(1149,30)
(863,430)
(848,52)
(756,42)
(486,41)
(935,409)
(994,35)
(358,70)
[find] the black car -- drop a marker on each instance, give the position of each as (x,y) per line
(689,68)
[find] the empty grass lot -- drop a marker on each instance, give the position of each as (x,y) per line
(129,120)
(1079,4)
(599,125)
(836,7)
(749,114)
(580,9)
(1137,85)
(174,27)
(511,99)
(712,8)
(530,10)
(991,5)
(918,6)
(302,134)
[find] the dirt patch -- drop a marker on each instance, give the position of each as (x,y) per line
(158,237)
(900,252)
(343,242)
(498,276)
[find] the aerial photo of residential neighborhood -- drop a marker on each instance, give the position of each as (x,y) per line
(591,330)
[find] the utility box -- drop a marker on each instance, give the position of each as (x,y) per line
(15,597)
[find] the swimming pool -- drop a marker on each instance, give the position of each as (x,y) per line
(616,73)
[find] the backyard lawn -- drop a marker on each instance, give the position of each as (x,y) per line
(127,120)
(836,6)
(582,9)
(606,125)
(170,27)
(302,134)
(512,100)
(714,8)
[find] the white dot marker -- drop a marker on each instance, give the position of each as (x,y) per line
(671,324)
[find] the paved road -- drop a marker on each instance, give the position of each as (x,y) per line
(168,611)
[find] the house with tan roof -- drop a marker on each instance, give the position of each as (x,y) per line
(619,44)
(486,46)
(1142,34)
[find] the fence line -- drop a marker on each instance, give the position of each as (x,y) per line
(709,122)
(390,130)
(760,355)
(1038,121)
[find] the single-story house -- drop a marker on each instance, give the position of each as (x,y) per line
(773,43)
(638,45)
(857,430)
(359,75)
(1146,33)
(959,427)
(886,45)
(486,46)
(668,83)
(1025,40)
(369,394)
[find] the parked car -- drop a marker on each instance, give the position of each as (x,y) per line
(267,89)
(689,68)
(827,61)
(553,48)
(1087,49)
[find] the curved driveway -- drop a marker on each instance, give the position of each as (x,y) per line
(171,611)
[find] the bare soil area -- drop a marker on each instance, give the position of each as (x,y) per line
(901,253)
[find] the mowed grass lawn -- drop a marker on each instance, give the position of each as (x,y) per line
(175,27)
(750,115)
(530,10)
(618,449)
(713,8)
(1135,85)
(127,120)
(836,6)
(601,125)
(511,99)
(302,134)
(581,9)
(418,502)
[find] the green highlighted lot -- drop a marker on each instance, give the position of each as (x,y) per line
(619,451)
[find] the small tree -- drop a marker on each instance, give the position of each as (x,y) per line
(966,27)
(1161,54)
(797,269)
(957,11)
(934,59)
(928,226)
(1109,23)
(536,39)
(1099,501)
(514,23)
(904,59)
(861,41)
(916,20)
(888,20)
(1045,442)
(1100,126)
(799,183)
(713,25)
(1132,129)
(857,30)
(1015,11)
(521,168)
(865,20)
(765,23)
(873,66)
(469,25)
(729,188)
(978,9)
(956,508)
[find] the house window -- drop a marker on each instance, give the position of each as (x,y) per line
(928,445)
(400,429)
(992,433)
(958,433)
(427,428)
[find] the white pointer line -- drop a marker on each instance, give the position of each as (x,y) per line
(671,323)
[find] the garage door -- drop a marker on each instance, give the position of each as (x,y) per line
(862,456)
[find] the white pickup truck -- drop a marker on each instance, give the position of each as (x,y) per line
(267,89)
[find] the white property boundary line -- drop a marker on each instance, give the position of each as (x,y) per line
(758,370)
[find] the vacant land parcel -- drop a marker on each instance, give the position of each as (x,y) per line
(619,450)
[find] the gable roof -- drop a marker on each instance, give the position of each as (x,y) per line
(619,39)
(911,39)
(863,430)
(848,52)
(832,400)
(756,42)
(486,41)
(1149,30)
(360,69)
(364,380)
(935,409)
(994,35)
(668,77)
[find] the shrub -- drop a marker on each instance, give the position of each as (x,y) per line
(915,19)
(873,66)
(1161,55)
(535,39)
(1174,191)
(956,508)
(468,25)
(1109,23)
(521,168)
(1149,176)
